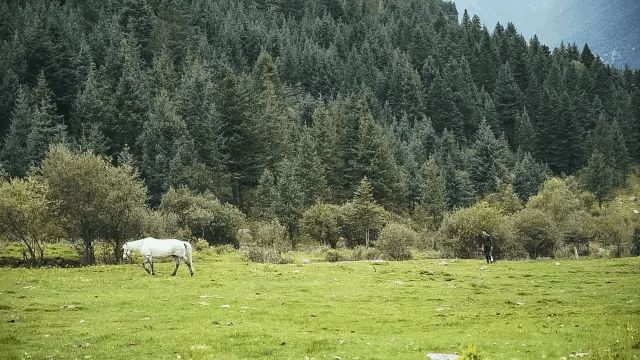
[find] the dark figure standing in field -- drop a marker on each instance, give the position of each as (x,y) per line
(487,247)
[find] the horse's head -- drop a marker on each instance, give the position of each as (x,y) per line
(126,251)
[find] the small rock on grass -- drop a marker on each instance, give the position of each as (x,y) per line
(436,356)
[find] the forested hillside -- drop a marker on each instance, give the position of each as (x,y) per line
(274,105)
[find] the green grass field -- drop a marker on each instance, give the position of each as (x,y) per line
(233,309)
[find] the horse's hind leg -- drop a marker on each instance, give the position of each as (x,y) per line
(190,268)
(177,260)
(186,261)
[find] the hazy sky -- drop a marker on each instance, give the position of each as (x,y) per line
(529,16)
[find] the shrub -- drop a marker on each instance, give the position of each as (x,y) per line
(395,240)
(365,253)
(575,232)
(471,353)
(244,237)
(223,249)
(558,199)
(333,256)
(201,245)
(271,234)
(320,222)
(614,231)
(264,255)
(426,240)
(203,215)
(535,232)
(460,232)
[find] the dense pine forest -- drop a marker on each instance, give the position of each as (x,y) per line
(292,113)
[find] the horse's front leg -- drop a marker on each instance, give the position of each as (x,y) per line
(177,260)
(144,265)
(153,272)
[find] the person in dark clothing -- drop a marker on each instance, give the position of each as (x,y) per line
(487,247)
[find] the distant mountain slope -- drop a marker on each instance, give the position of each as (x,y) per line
(611,28)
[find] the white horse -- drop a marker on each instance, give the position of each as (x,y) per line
(151,248)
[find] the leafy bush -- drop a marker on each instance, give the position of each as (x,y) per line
(203,215)
(272,235)
(471,353)
(264,255)
(333,256)
(426,240)
(460,232)
(244,237)
(201,245)
(535,232)
(358,221)
(365,253)
(614,231)
(395,241)
(558,199)
(320,222)
(575,232)
(223,249)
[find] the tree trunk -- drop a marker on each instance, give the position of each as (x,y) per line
(366,238)
(117,251)
(89,256)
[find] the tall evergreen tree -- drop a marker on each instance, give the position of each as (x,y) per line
(434,191)
(366,213)
(158,142)
(598,177)
(131,99)
(242,147)
(528,176)
(609,142)
(265,197)
(488,161)
(508,101)
(524,137)
(310,171)
(290,200)
(15,143)
(93,110)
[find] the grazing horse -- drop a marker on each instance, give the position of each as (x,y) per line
(151,248)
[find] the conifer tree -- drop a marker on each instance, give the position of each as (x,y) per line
(586,56)
(508,101)
(524,137)
(488,161)
(159,142)
(325,138)
(15,143)
(93,110)
(528,176)
(195,99)
(367,215)
(130,100)
(434,191)
(310,171)
(598,177)
(265,197)
(242,147)
(289,202)
(609,142)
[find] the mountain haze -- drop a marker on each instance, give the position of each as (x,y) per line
(611,28)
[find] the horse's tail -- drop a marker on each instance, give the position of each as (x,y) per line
(187,250)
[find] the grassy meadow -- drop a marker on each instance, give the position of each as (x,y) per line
(233,309)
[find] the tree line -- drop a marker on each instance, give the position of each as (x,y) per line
(274,106)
